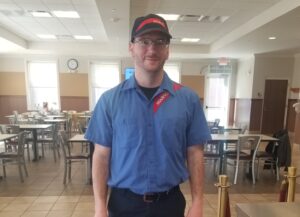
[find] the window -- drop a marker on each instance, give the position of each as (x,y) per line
(173,71)
(42,85)
(103,76)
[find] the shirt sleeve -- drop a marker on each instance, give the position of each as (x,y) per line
(99,129)
(198,132)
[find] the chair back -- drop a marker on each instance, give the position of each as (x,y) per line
(63,141)
(21,143)
(248,145)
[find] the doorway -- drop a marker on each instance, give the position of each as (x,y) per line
(216,99)
(274,106)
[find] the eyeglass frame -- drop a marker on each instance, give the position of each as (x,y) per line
(147,42)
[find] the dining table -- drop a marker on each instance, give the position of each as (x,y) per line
(7,136)
(34,128)
(223,139)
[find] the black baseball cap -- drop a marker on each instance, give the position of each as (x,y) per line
(149,23)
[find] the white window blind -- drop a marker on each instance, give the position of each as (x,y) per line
(42,85)
(103,77)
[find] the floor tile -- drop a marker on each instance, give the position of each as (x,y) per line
(43,193)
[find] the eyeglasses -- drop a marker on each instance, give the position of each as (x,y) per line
(147,42)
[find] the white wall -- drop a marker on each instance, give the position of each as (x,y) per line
(296,77)
(271,68)
(12,64)
(244,79)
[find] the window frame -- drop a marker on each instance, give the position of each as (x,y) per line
(28,86)
(92,100)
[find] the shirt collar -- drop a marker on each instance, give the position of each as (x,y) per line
(167,84)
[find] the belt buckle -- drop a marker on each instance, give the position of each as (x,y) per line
(147,200)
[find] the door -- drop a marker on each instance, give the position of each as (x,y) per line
(273,115)
(217,98)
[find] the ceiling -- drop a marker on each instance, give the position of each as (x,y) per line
(245,32)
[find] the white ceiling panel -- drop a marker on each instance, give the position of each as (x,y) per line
(109,23)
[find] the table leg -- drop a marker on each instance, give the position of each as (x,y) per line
(35,146)
(221,152)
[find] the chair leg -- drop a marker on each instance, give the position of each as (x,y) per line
(253,172)
(28,152)
(236,172)
(3,167)
(65,172)
(20,172)
(277,171)
(54,152)
(69,170)
(87,171)
(25,168)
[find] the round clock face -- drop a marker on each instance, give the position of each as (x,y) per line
(72,64)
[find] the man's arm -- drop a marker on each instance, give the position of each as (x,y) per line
(195,162)
(100,171)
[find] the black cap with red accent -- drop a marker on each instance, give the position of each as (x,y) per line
(149,23)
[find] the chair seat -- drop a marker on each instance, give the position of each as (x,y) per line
(263,154)
(78,156)
(8,155)
(243,156)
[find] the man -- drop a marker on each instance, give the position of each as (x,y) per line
(145,130)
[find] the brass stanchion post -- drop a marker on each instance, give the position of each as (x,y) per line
(222,195)
(292,187)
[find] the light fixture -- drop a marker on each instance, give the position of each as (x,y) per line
(40,13)
(83,37)
(66,14)
(192,40)
(46,36)
(170,17)
(272,38)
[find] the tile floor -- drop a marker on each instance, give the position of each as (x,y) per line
(43,194)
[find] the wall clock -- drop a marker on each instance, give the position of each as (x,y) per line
(72,64)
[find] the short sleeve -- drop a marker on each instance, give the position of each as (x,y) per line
(198,132)
(99,129)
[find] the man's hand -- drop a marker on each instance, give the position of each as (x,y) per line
(195,211)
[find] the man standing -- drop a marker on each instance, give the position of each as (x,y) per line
(149,133)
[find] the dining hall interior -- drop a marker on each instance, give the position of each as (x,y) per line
(242,58)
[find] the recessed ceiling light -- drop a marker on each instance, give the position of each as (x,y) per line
(272,38)
(190,39)
(40,14)
(66,14)
(169,16)
(83,37)
(45,36)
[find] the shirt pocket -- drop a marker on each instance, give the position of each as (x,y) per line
(128,132)
(173,131)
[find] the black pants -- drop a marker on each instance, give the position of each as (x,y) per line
(124,203)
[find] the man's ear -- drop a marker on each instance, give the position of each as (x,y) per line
(130,48)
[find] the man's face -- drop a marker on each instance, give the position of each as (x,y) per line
(150,51)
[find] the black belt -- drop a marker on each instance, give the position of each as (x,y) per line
(147,197)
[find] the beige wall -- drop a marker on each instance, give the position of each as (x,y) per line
(271,68)
(12,83)
(196,83)
(74,84)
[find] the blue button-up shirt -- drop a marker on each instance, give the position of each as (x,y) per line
(148,138)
